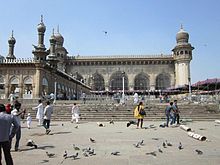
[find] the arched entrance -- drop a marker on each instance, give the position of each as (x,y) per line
(27,89)
(162,81)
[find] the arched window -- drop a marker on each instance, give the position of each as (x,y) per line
(98,83)
(162,81)
(141,82)
(28,81)
(116,81)
(45,86)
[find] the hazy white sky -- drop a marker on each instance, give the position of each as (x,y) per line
(140,27)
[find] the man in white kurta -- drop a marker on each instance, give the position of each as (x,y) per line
(40,112)
(75,113)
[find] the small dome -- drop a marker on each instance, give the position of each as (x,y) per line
(11,40)
(59,38)
(53,39)
(182,36)
(41,27)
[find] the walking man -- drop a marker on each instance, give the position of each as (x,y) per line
(6,120)
(168,113)
(75,113)
(40,112)
(176,112)
(16,112)
(48,110)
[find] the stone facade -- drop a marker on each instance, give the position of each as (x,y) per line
(53,70)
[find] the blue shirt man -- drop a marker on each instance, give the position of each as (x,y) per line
(6,120)
(168,113)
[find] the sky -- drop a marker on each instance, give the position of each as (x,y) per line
(134,27)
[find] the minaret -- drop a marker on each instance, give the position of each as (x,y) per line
(40,50)
(182,54)
(52,58)
(11,42)
(41,28)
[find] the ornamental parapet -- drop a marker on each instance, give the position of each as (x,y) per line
(17,60)
(120,57)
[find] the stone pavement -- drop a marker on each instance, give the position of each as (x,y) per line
(118,137)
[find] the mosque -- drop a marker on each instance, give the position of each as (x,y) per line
(53,70)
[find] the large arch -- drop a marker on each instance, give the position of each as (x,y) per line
(141,82)
(98,83)
(163,81)
(116,81)
(28,81)
(14,81)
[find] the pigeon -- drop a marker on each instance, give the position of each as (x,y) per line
(155,138)
(75,147)
(50,155)
(62,124)
(92,140)
(169,144)
(151,153)
(111,122)
(31,143)
(159,149)
(199,152)
(164,145)
(180,146)
(141,142)
(85,154)
(44,161)
(91,152)
(100,124)
(86,149)
(115,153)
(65,154)
(76,126)
(128,124)
(152,126)
(137,145)
(73,156)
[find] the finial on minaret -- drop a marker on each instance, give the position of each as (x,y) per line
(181,26)
(12,33)
(53,32)
(41,18)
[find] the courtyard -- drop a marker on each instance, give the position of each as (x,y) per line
(75,138)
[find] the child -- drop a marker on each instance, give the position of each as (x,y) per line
(29,119)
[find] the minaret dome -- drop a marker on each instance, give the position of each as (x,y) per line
(182,36)
(12,40)
(41,27)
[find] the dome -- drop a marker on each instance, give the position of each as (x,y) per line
(182,36)
(41,27)
(53,39)
(59,38)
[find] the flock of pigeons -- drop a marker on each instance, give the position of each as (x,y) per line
(87,152)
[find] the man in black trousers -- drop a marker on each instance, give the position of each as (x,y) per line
(6,120)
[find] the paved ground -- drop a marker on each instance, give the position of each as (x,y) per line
(118,137)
